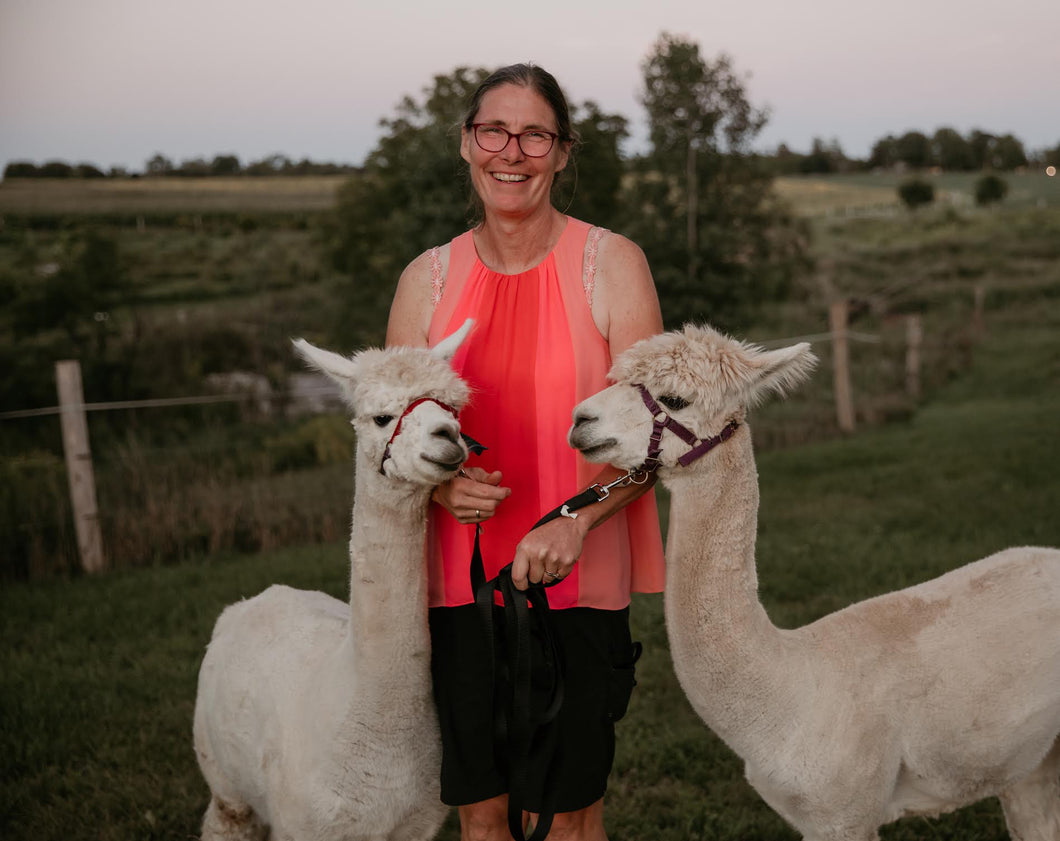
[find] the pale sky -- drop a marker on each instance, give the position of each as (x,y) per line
(112,82)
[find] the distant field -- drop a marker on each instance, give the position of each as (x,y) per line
(175,195)
(813,196)
(867,193)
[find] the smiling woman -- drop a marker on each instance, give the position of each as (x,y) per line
(554,300)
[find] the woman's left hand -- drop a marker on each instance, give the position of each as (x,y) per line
(547,553)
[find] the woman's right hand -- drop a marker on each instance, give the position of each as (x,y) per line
(472,496)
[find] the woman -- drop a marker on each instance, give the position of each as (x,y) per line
(554,301)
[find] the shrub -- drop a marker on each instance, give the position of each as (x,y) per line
(915,191)
(989,189)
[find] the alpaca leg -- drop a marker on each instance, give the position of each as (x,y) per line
(421,827)
(223,822)
(1032,806)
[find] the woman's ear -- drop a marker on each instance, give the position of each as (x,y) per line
(465,144)
(564,156)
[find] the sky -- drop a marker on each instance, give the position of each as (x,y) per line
(114,82)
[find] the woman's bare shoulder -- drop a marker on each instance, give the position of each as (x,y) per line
(414,300)
(625,303)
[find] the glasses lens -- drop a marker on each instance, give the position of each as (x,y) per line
(491,138)
(535,143)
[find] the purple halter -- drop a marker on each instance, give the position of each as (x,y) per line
(661,420)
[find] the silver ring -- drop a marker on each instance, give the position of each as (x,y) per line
(477,514)
(550,574)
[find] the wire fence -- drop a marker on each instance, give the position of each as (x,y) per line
(248,486)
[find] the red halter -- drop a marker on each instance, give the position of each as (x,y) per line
(397,427)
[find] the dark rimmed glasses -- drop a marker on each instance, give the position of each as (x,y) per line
(534,143)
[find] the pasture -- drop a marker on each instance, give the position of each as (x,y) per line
(98,674)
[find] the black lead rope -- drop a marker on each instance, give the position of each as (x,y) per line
(516,727)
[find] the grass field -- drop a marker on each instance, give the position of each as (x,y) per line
(98,675)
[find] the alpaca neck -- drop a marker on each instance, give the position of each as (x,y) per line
(388,581)
(723,644)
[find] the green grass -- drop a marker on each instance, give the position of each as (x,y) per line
(98,675)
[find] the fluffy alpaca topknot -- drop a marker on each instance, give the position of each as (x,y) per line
(402,374)
(697,363)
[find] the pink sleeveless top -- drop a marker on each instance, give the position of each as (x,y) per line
(533,355)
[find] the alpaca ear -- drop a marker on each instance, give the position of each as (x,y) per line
(447,347)
(340,368)
(778,371)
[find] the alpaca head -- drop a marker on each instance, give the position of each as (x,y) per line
(400,398)
(702,379)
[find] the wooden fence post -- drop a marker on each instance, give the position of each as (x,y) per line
(978,305)
(914,337)
(844,396)
(79,464)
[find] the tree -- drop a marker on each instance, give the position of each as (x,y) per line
(225,165)
(1008,153)
(990,189)
(597,167)
(823,158)
(915,192)
(700,203)
(21,169)
(884,153)
(159,165)
(56,169)
(193,168)
(87,170)
(407,198)
(951,151)
(914,150)
(982,145)
(88,281)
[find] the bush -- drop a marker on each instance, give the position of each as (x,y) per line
(21,169)
(915,191)
(990,189)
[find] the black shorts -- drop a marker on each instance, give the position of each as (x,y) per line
(599,657)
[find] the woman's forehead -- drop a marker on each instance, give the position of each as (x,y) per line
(515,104)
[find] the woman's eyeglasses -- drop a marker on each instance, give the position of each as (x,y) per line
(534,143)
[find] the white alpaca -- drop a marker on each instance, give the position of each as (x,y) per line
(314,718)
(914,702)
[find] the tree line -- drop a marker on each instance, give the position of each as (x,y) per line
(945,149)
(160,165)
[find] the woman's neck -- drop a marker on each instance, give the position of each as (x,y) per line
(511,246)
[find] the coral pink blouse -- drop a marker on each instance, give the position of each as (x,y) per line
(533,355)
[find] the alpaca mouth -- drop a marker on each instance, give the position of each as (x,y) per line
(447,466)
(592,450)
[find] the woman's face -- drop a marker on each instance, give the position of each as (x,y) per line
(509,182)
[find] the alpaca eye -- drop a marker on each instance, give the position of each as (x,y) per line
(382,420)
(673,403)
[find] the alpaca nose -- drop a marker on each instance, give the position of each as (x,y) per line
(581,416)
(448,431)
